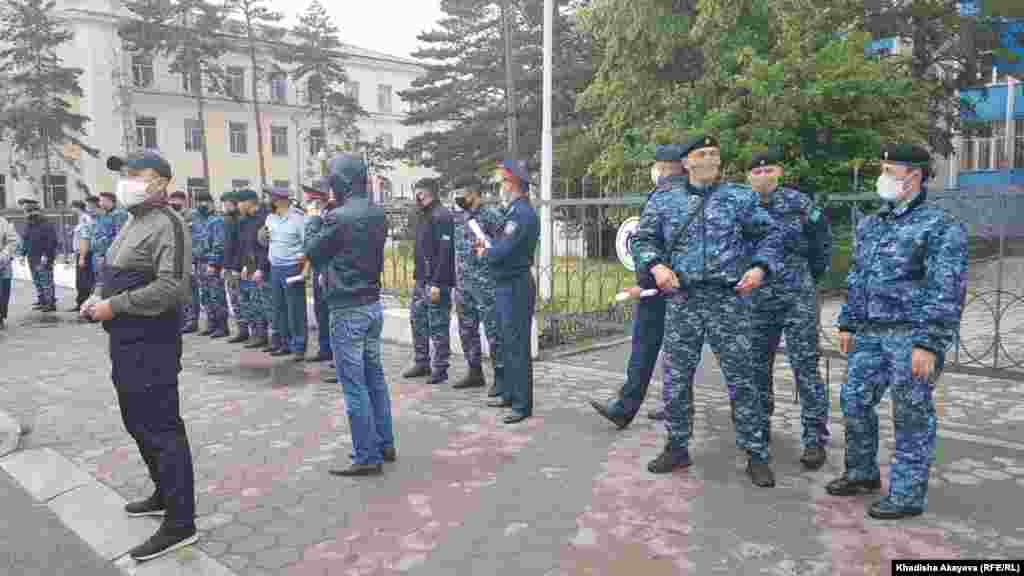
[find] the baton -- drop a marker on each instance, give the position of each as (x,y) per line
(623,296)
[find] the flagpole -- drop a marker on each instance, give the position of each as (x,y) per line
(547,159)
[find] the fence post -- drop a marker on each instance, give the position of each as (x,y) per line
(996,341)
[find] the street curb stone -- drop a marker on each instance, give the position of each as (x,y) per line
(10,434)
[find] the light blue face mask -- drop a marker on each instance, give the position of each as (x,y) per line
(889,188)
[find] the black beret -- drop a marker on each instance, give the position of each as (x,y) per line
(767,158)
(701,141)
(247,195)
(906,154)
(668,153)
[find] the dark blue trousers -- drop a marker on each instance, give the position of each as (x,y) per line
(145,375)
(648,334)
(323,316)
(515,300)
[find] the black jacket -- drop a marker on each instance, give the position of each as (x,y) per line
(251,254)
(40,240)
(435,250)
(232,246)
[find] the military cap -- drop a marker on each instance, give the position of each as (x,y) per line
(668,153)
(147,159)
(516,169)
(108,195)
(78,204)
(202,196)
(178,194)
(701,141)
(247,195)
(908,154)
(766,158)
(280,193)
(92,200)
(229,196)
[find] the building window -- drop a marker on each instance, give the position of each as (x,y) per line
(236,82)
(193,135)
(1018,145)
(195,186)
(279,140)
(145,132)
(190,83)
(352,91)
(384,98)
(239,136)
(283,184)
(279,88)
(3,192)
(57,189)
(967,155)
(313,86)
(984,154)
(142,71)
(387,141)
(239,184)
(316,141)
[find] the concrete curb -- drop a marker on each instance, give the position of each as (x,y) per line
(10,434)
(96,514)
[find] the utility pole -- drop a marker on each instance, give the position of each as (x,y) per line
(511,124)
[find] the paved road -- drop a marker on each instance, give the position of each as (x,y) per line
(561,494)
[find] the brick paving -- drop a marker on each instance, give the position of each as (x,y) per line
(561,494)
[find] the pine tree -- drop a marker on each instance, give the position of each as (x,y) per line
(36,118)
(316,57)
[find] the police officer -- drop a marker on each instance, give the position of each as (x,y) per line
(84,276)
(316,198)
(789,305)
(649,313)
(430,311)
(199,220)
(255,272)
(233,263)
(138,298)
(106,225)
(474,286)
(39,247)
(190,315)
(906,295)
(213,256)
(510,258)
(711,247)
(348,245)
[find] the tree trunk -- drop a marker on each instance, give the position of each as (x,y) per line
(256,109)
(47,200)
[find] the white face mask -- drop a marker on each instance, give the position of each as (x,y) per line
(889,188)
(655,174)
(131,191)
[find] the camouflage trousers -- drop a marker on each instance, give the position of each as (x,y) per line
(795,316)
(724,318)
(213,297)
(42,280)
(252,313)
(881,358)
(474,305)
(232,290)
(190,311)
(431,324)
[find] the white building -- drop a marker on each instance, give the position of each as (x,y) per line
(133,102)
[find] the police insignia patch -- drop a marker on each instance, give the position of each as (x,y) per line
(510,227)
(815,215)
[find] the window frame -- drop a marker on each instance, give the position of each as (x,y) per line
(193,135)
(272,84)
(231,76)
(140,64)
(382,91)
(277,139)
(142,128)
(3,191)
(231,138)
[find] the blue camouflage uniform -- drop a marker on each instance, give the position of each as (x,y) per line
(253,255)
(233,265)
(213,288)
(104,229)
(434,268)
(474,290)
(788,304)
(39,243)
(198,220)
(907,288)
(729,234)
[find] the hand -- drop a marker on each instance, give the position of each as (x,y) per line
(634,292)
(257,277)
(845,342)
(245,273)
(922,363)
(100,312)
(435,295)
(81,262)
(211,269)
(480,248)
(42,261)
(751,281)
(313,208)
(665,278)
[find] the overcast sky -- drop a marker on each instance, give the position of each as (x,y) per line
(389,26)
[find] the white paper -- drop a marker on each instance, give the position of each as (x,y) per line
(294,279)
(479,232)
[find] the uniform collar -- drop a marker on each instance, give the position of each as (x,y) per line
(707,190)
(891,211)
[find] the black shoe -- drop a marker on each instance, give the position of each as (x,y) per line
(48,308)
(358,470)
(499,403)
(416,372)
(670,459)
(883,510)
(3,323)
(515,417)
(321,357)
(761,474)
(280,352)
(165,540)
(813,457)
(300,357)
(843,486)
(189,330)
(37,306)
(209,330)
(493,391)
(270,347)
(390,455)
(620,421)
(256,343)
(219,334)
(475,379)
(658,414)
(152,506)
(329,377)
(242,337)
(438,377)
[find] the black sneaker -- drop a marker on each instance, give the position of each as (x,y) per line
(656,414)
(239,339)
(813,457)
(885,510)
(256,342)
(438,377)
(843,486)
(165,540)
(358,470)
(390,454)
(620,421)
(670,459)
(152,506)
(761,474)
(416,372)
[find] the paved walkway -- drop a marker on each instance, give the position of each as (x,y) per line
(562,494)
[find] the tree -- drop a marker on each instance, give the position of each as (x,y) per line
(36,117)
(317,60)
(190,34)
(461,97)
(258,26)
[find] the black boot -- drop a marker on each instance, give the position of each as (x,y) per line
(438,377)
(257,342)
(474,379)
(670,459)
(416,371)
(813,457)
(884,510)
(843,486)
(761,474)
(243,336)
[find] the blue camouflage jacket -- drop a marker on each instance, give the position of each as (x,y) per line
(729,234)
(213,248)
(470,268)
(198,222)
(790,210)
(910,269)
(104,229)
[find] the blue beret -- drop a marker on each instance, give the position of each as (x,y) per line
(517,168)
(701,141)
(146,159)
(247,195)
(767,158)
(905,154)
